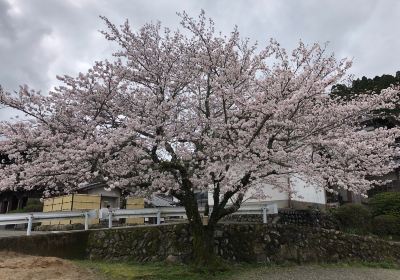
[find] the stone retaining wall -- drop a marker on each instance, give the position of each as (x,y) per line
(311,218)
(70,245)
(240,242)
(279,244)
(236,242)
(144,243)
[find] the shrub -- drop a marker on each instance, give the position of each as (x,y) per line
(384,225)
(353,216)
(33,205)
(387,203)
(33,208)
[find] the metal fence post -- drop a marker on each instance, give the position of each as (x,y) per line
(110,214)
(86,220)
(264,209)
(158,216)
(29,229)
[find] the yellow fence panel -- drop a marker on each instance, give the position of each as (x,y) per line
(48,202)
(68,198)
(70,203)
(57,207)
(67,206)
(78,221)
(85,206)
(58,200)
(47,208)
(87,198)
(135,203)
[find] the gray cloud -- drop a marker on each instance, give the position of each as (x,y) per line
(40,39)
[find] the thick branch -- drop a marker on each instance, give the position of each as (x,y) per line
(258,130)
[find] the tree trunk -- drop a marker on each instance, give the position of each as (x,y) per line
(203,235)
(203,246)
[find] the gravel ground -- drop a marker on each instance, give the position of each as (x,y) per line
(320,273)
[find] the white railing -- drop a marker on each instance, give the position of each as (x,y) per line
(158,213)
(30,218)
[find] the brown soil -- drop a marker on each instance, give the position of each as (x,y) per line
(15,266)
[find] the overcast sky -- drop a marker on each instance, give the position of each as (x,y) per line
(40,39)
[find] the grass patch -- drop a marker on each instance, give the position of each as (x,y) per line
(162,271)
(150,271)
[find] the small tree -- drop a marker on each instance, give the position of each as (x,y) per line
(180,112)
(354,217)
(386,203)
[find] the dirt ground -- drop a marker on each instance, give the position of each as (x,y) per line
(23,267)
(15,266)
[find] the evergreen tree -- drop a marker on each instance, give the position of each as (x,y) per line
(380,118)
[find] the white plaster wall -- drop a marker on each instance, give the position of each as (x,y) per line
(272,194)
(303,192)
(307,193)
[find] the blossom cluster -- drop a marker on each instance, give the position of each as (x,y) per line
(195,110)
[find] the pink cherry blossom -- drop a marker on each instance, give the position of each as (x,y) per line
(188,110)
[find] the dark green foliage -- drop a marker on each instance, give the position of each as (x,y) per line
(33,205)
(387,203)
(371,86)
(385,225)
(365,86)
(385,207)
(353,217)
(381,217)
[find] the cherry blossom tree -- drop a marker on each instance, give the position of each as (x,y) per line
(193,110)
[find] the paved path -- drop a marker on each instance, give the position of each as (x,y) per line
(319,273)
